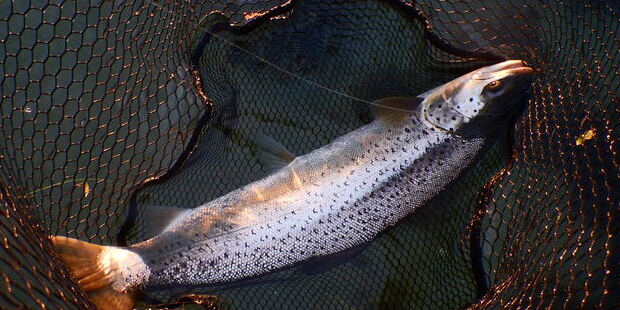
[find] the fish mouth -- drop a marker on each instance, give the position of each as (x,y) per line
(505,68)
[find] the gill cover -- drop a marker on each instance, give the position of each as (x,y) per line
(490,95)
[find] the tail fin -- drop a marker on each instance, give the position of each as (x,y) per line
(97,278)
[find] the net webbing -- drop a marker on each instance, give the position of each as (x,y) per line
(111,107)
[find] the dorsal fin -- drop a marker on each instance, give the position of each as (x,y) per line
(392,110)
(158,218)
(271,153)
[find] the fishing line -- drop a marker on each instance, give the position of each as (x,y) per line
(276,66)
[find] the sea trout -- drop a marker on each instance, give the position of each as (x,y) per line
(332,199)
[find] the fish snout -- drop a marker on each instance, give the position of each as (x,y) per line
(526,72)
(509,64)
(502,69)
(521,69)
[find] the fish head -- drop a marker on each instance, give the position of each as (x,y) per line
(480,103)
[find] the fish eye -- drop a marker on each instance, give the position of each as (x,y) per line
(495,86)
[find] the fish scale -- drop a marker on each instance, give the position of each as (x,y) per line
(364,188)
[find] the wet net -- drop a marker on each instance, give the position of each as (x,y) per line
(110,108)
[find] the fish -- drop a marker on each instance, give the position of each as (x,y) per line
(330,200)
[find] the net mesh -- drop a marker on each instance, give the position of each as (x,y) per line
(110,108)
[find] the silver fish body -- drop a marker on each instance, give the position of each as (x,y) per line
(327,201)
(341,195)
